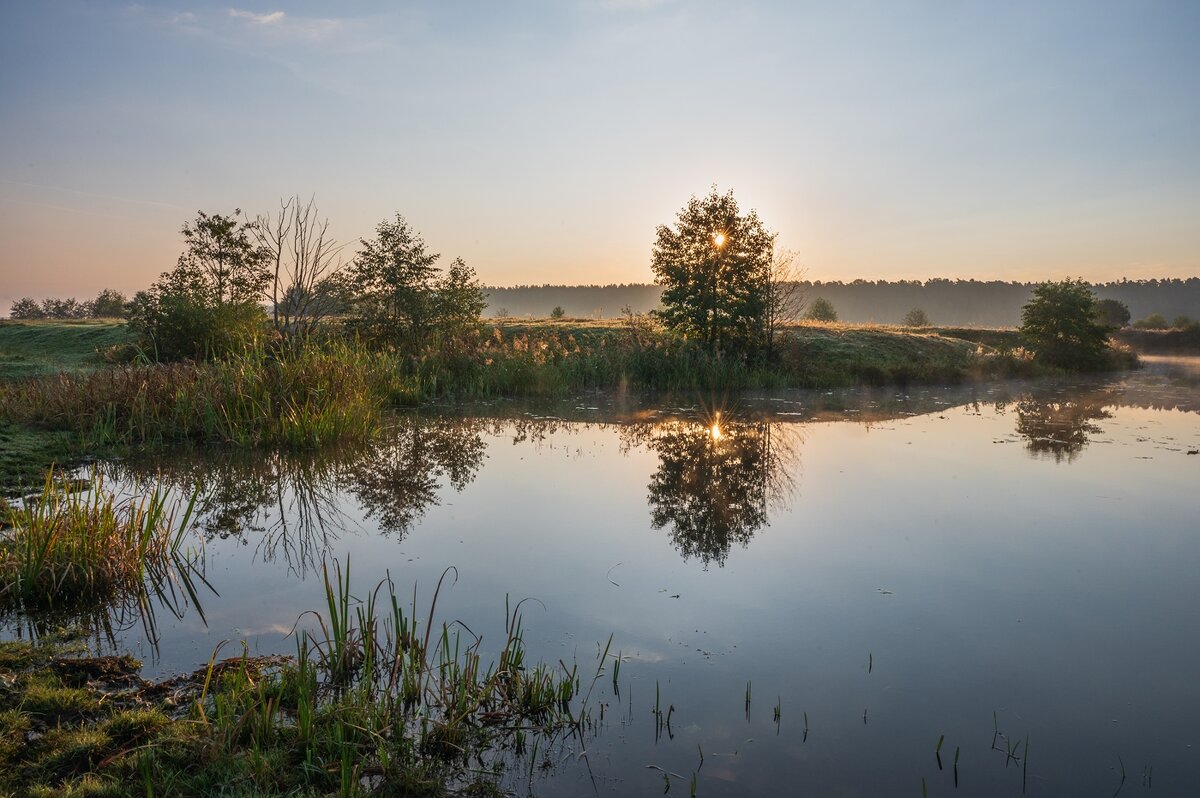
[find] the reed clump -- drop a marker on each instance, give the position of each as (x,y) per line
(75,544)
(295,398)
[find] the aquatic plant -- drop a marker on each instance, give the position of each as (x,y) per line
(76,544)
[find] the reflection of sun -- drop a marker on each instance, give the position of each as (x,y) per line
(719,239)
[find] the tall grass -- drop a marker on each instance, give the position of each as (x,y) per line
(69,547)
(300,399)
(374,697)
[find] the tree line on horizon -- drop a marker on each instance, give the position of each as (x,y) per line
(946,302)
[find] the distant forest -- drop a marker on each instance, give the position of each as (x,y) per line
(992,303)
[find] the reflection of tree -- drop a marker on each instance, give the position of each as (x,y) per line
(398,475)
(717,481)
(1060,427)
(296,501)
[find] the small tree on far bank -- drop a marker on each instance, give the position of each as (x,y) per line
(558,312)
(109,304)
(1112,312)
(26,309)
(1060,324)
(821,310)
(916,318)
(1155,321)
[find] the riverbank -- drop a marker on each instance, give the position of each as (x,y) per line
(63,398)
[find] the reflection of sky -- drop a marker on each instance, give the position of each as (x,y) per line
(976,577)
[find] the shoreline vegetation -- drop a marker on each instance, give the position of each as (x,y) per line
(374,701)
(72,391)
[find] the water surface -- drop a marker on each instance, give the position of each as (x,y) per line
(896,565)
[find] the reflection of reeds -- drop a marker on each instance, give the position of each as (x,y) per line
(75,550)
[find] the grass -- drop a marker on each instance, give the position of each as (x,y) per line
(74,545)
(309,399)
(374,702)
(26,454)
(35,348)
(559,357)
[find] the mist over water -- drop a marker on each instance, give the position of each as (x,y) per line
(893,566)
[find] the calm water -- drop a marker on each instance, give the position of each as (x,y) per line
(897,565)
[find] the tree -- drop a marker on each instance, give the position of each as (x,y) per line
(208,305)
(458,299)
(1155,321)
(305,266)
(558,312)
(109,304)
(230,264)
(71,308)
(916,318)
(401,294)
(1112,312)
(26,308)
(715,269)
(1060,324)
(786,294)
(822,310)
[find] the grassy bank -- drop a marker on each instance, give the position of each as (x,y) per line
(33,348)
(308,399)
(1184,341)
(374,704)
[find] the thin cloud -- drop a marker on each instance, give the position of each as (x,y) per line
(277,24)
(257,19)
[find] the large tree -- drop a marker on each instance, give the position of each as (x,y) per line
(715,269)
(1062,327)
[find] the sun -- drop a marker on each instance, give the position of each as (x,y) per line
(719,239)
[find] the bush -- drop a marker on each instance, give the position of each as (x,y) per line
(178,325)
(558,312)
(916,318)
(822,310)
(1112,312)
(1155,321)
(208,305)
(1060,324)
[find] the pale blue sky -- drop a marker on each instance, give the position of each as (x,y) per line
(544,141)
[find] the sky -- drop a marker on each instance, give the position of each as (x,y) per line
(543,141)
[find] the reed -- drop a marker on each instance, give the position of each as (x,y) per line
(299,399)
(76,544)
